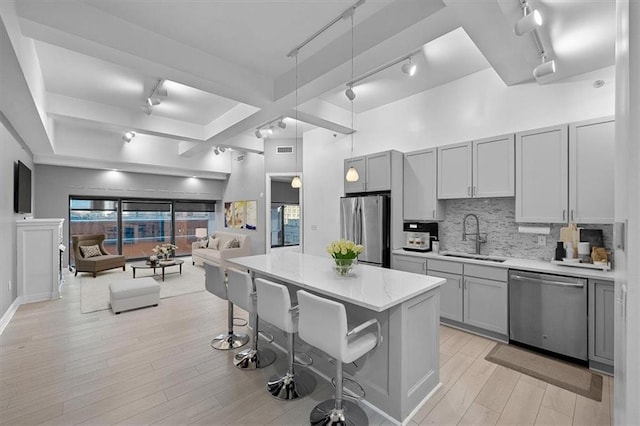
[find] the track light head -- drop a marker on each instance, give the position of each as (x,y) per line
(258,133)
(544,69)
(153,100)
(128,136)
(222,148)
(282,124)
(349,93)
(146,109)
(216,151)
(528,23)
(409,68)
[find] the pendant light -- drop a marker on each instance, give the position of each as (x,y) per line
(296,182)
(352,173)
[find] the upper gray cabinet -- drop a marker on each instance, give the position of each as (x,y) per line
(420,201)
(374,171)
(478,169)
(565,173)
(542,175)
(591,171)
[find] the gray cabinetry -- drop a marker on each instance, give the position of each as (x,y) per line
(473,296)
(454,171)
(409,264)
(420,200)
(374,171)
(601,323)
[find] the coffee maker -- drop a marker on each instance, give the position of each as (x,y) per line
(419,236)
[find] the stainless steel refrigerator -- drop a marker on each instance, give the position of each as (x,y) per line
(365,220)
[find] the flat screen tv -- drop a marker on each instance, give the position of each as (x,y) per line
(21,188)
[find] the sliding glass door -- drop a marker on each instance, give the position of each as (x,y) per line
(190,215)
(285,225)
(94,217)
(145,224)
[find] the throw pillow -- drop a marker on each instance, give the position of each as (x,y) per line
(90,251)
(232,243)
(213,243)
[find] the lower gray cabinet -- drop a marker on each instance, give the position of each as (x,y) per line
(450,295)
(485,304)
(601,321)
(409,264)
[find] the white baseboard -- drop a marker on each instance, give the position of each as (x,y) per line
(6,318)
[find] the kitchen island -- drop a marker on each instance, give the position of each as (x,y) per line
(403,371)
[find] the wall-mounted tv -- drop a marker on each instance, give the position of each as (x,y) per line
(21,188)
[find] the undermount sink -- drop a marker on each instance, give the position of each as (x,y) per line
(475,257)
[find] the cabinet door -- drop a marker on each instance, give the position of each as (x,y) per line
(378,171)
(601,321)
(494,167)
(542,175)
(420,200)
(591,171)
(359,164)
(485,304)
(450,295)
(454,171)
(409,264)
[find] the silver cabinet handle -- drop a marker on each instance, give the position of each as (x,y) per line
(475,191)
(424,266)
(545,281)
(459,283)
(433,213)
(571,215)
(468,190)
(564,214)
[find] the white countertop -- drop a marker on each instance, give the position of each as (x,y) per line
(371,287)
(522,264)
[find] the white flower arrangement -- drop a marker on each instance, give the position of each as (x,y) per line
(344,249)
(165,249)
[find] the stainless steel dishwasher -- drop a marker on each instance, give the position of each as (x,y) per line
(549,312)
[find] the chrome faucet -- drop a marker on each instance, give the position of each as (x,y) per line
(479,238)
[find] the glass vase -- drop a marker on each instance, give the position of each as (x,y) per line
(344,266)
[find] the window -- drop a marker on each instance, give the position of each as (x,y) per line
(135,227)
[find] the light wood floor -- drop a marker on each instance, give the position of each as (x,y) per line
(155,365)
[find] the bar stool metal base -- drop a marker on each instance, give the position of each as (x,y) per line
(326,414)
(291,387)
(251,359)
(227,341)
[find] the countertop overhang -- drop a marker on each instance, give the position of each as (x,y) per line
(517,263)
(374,288)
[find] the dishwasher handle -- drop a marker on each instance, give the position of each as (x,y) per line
(579,284)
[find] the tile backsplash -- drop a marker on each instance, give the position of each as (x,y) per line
(497,220)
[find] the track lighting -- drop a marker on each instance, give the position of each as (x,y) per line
(545,68)
(216,151)
(528,23)
(146,109)
(258,133)
(153,99)
(409,68)
(128,136)
(222,148)
(282,124)
(349,93)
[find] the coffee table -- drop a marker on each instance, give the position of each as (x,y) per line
(160,265)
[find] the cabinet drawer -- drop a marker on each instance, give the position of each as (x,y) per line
(488,272)
(444,266)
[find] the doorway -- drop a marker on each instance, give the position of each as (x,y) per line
(283,213)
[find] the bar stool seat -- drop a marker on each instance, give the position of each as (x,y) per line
(242,293)
(323,324)
(274,306)
(216,285)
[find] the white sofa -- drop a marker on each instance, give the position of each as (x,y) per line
(218,255)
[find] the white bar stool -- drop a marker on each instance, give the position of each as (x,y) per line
(323,324)
(274,306)
(242,293)
(215,284)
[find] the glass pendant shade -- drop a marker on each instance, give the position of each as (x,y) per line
(296,182)
(352,175)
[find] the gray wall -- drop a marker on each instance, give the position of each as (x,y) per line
(10,152)
(246,182)
(55,184)
(282,192)
(282,163)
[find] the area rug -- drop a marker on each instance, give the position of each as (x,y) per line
(94,292)
(562,374)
